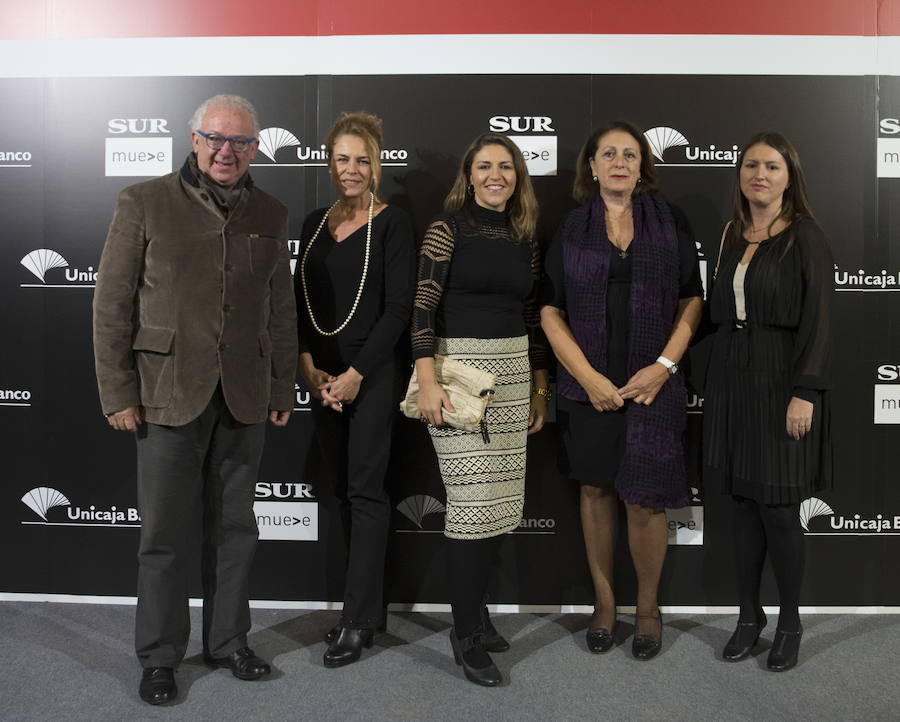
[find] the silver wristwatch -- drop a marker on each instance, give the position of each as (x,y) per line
(671,366)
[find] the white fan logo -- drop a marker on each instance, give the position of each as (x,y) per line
(416,508)
(273,139)
(663,137)
(811,508)
(42,260)
(42,498)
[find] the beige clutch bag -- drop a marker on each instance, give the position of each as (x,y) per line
(470,391)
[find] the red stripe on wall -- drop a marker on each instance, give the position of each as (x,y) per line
(22,19)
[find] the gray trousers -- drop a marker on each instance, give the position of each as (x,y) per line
(212,461)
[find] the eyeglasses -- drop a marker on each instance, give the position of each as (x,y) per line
(215,141)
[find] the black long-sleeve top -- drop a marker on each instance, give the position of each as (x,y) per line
(787,286)
(333,271)
(475,280)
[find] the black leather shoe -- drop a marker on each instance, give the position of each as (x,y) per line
(600,639)
(743,639)
(646,646)
(244,664)
(785,648)
(332,633)
(347,646)
(469,652)
(493,641)
(158,685)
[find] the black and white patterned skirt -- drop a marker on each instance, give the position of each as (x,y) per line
(485,482)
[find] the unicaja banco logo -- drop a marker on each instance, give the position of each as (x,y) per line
(811,508)
(417,507)
(663,137)
(838,524)
(271,140)
(42,499)
(42,260)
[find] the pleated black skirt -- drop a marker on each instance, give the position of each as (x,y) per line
(746,448)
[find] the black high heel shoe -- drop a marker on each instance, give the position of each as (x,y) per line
(785,648)
(492,641)
(600,639)
(646,646)
(469,652)
(744,638)
(346,647)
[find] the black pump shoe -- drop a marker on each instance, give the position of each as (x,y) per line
(469,652)
(743,639)
(600,639)
(492,641)
(346,647)
(785,648)
(646,646)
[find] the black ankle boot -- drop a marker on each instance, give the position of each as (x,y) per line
(785,648)
(476,662)
(743,639)
(493,641)
(346,647)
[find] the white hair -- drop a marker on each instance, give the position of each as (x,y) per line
(234,102)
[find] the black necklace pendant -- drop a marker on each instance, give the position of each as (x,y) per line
(623,254)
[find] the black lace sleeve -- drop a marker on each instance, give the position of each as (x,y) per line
(434,266)
(538,351)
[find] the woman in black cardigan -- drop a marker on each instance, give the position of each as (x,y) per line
(767,438)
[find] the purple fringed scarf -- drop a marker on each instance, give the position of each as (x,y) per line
(651,472)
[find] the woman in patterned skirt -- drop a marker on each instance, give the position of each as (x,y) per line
(475,302)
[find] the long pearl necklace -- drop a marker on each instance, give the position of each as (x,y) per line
(362,281)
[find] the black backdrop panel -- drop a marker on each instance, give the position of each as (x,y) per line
(77,527)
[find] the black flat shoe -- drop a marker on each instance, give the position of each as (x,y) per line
(785,648)
(469,652)
(743,639)
(347,646)
(243,663)
(158,685)
(600,639)
(646,646)
(493,641)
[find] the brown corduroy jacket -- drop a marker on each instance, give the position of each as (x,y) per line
(187,298)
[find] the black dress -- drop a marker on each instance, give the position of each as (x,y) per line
(783,350)
(594,442)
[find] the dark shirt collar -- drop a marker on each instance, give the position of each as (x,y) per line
(486,215)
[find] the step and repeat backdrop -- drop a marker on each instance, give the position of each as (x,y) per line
(68,514)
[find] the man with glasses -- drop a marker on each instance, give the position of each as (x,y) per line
(195,341)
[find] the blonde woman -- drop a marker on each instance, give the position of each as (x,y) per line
(354,287)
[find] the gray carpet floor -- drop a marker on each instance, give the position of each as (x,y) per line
(75,662)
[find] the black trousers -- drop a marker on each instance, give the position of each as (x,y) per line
(356,446)
(212,461)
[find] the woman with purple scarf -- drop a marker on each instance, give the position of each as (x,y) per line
(621,299)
